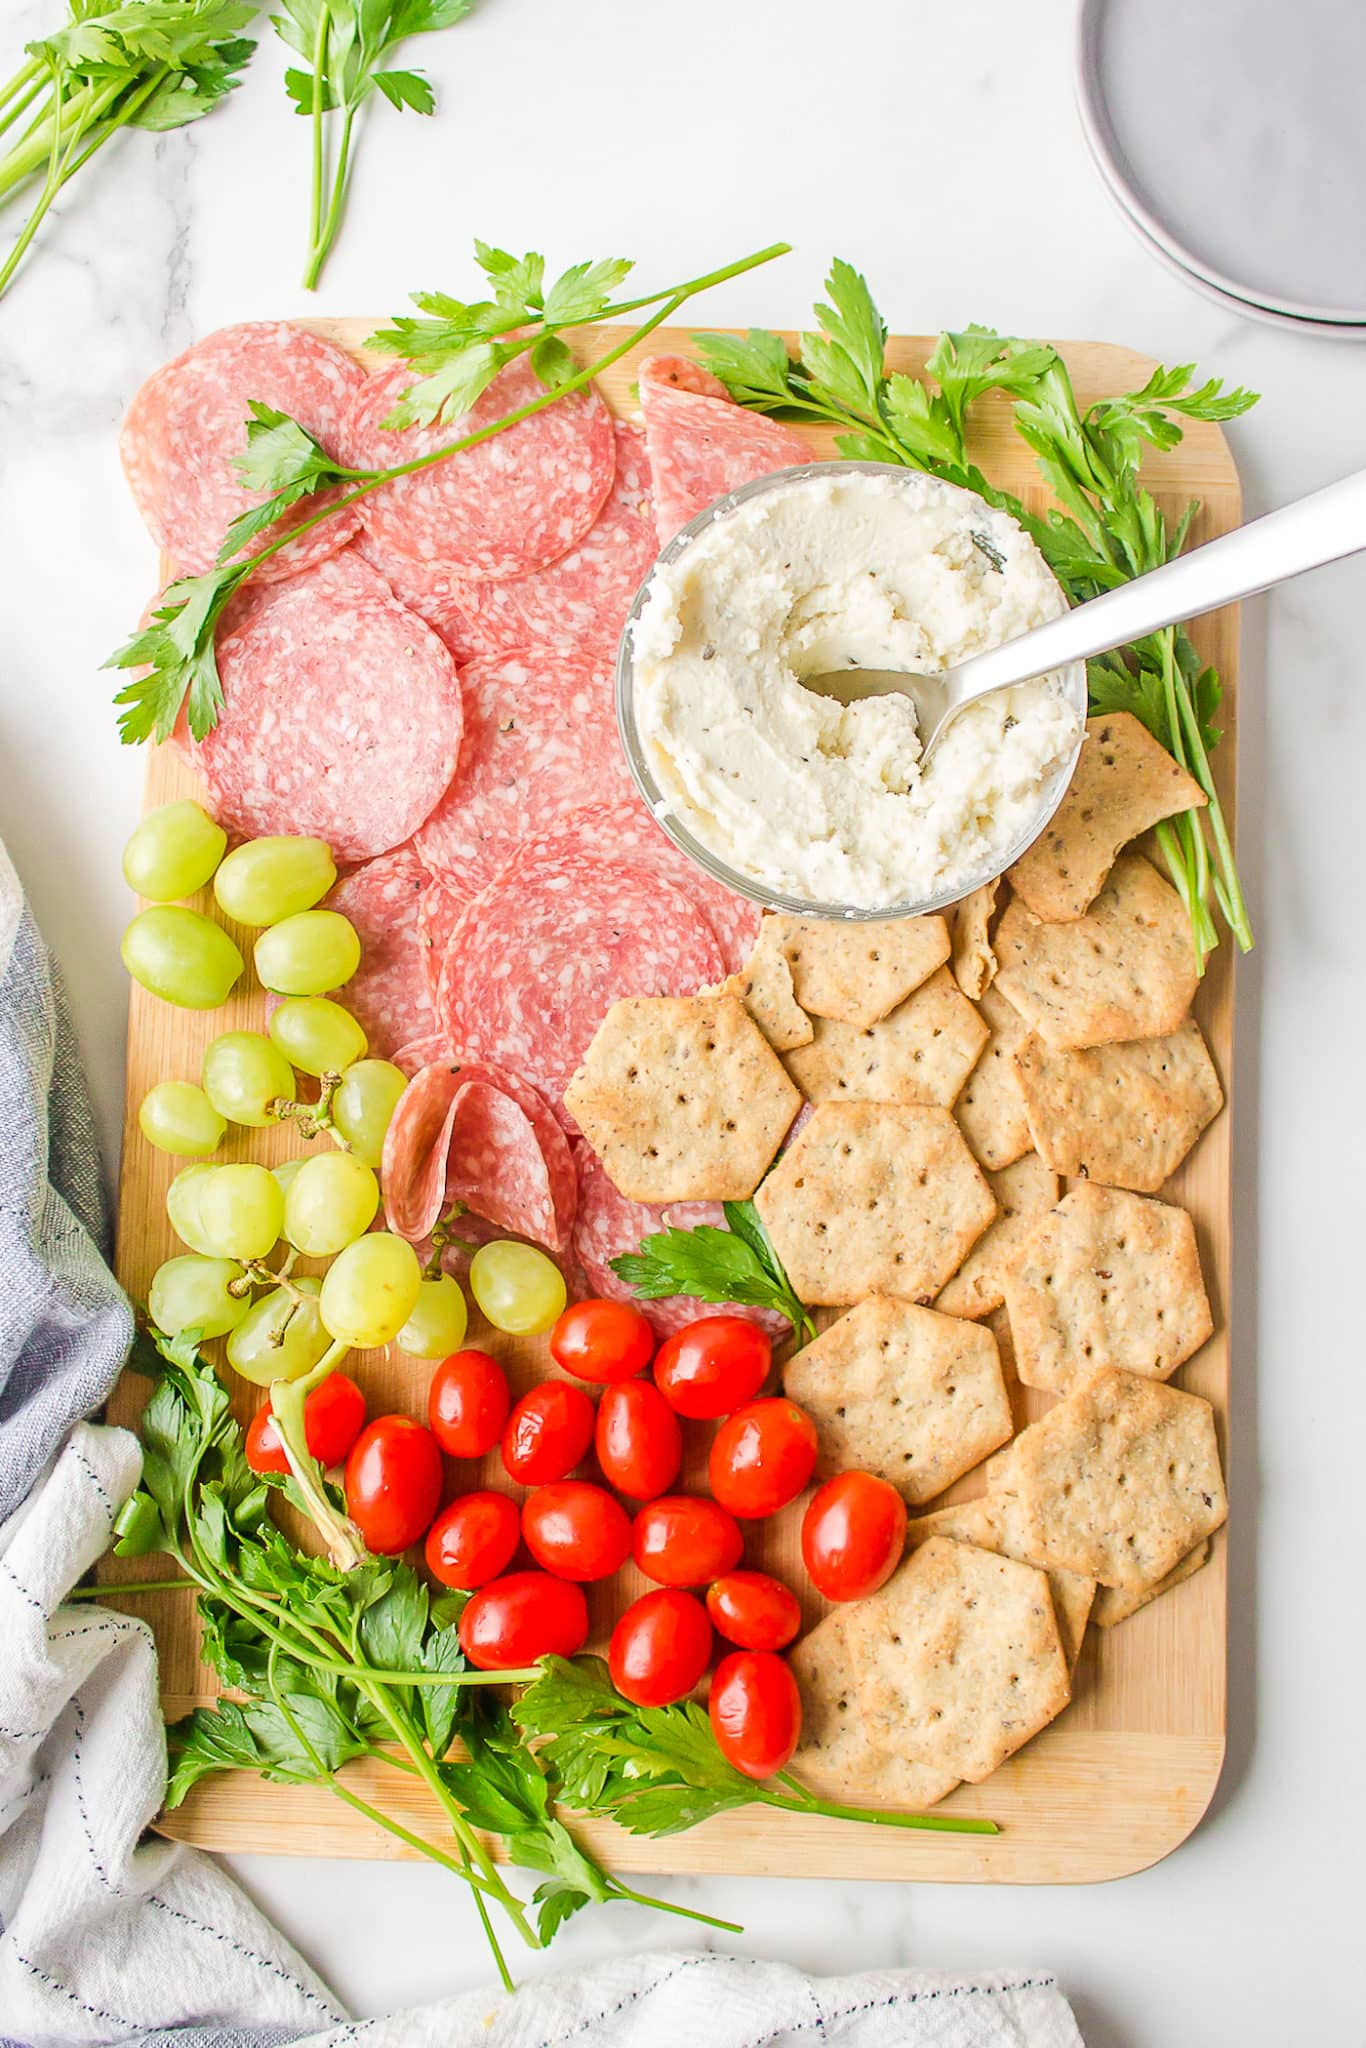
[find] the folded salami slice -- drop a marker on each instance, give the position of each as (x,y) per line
(553,1225)
(547,947)
(496,1168)
(608,1225)
(701,444)
(470,1134)
(540,741)
(417,1147)
(519,500)
(188,422)
(341,717)
(388,994)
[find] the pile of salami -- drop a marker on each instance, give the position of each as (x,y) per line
(426,681)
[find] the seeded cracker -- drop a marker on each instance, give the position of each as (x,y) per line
(1124,783)
(868,1200)
(904,1392)
(1120,1480)
(958,1659)
(856,973)
(764,986)
(1125,1114)
(920,1053)
(991,1108)
(1024,1193)
(974,963)
(1116,1603)
(682,1098)
(837,1758)
(1105,1278)
(1124,970)
(993,1523)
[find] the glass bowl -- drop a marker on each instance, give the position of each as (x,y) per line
(1073,680)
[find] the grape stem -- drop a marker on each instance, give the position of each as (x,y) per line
(443,1235)
(287,1398)
(313,1118)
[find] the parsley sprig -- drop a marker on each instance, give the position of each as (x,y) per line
(346,46)
(1104,528)
(174,654)
(328,1665)
(736,1264)
(657,1770)
(149,64)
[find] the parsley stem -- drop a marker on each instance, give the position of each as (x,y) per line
(103,1590)
(326,235)
(319,154)
(833,1809)
(618,1890)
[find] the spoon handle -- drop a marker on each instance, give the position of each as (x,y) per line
(1321,528)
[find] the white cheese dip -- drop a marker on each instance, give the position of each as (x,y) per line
(803,794)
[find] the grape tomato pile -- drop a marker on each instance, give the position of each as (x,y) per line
(379,1202)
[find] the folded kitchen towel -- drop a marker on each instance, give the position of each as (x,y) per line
(110,1935)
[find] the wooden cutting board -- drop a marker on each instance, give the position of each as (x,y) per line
(1127,1771)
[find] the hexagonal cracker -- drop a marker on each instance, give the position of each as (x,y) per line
(871,1200)
(992,1522)
(904,1392)
(920,1053)
(764,986)
(958,1659)
(1024,1193)
(1123,1114)
(682,1098)
(1120,1481)
(1106,1278)
(991,1107)
(837,1758)
(856,973)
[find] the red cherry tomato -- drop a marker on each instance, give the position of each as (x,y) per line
(334,1415)
(602,1341)
(575,1530)
(756,1711)
(852,1535)
(548,1433)
(681,1540)
(660,1648)
(393,1482)
(468,1403)
(527,1615)
(713,1366)
(761,1457)
(753,1610)
(473,1540)
(638,1440)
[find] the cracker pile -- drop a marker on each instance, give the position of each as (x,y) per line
(994,1100)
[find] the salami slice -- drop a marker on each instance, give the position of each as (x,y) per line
(547,947)
(341,717)
(627,829)
(388,994)
(515,502)
(608,1225)
(442,904)
(188,422)
(416,1148)
(410,1059)
(469,1134)
(701,444)
(496,1168)
(540,741)
(561,1180)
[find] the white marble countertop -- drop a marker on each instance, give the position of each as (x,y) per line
(939,150)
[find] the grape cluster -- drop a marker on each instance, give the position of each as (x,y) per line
(232,1217)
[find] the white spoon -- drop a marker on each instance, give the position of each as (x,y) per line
(1321,528)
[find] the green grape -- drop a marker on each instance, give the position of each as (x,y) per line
(363,1105)
(192,1294)
(308,954)
(268,879)
(286,1170)
(182,957)
(519,1289)
(242,1211)
(370,1290)
(281,1338)
(182,1206)
(242,1074)
(437,1325)
(173,852)
(331,1201)
(178,1117)
(315,1035)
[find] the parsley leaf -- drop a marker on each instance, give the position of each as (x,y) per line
(737,1264)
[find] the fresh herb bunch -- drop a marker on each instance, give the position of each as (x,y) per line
(735,1264)
(346,45)
(327,1665)
(1105,528)
(175,653)
(150,64)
